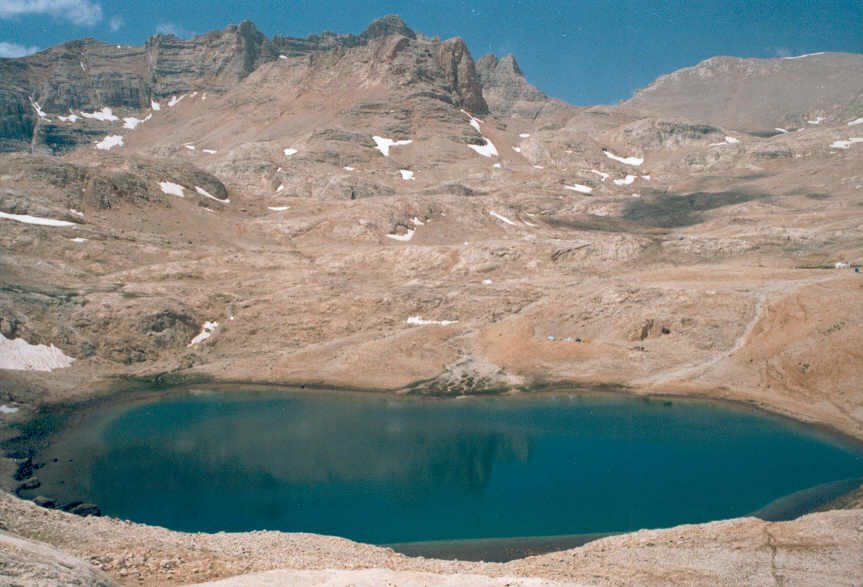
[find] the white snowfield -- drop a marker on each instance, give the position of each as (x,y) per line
(27,219)
(582,189)
(486,150)
(38,108)
(625,181)
(503,218)
(804,56)
(856,121)
(201,191)
(105,115)
(72,117)
(132,123)
(635,161)
(4,409)
(474,121)
(407,174)
(209,151)
(110,142)
(173,189)
(155,106)
(384,144)
(278,208)
(846,144)
(781,130)
(206,332)
(20,355)
(418,321)
(289,152)
(403,237)
(525,135)
(517,149)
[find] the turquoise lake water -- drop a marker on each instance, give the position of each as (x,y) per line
(390,470)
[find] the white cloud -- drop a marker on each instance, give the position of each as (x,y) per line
(170,28)
(80,12)
(116,23)
(15,50)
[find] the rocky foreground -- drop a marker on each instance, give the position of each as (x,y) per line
(381,211)
(818,549)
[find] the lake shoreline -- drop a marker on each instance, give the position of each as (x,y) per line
(35,438)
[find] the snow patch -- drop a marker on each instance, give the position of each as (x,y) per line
(38,108)
(487,282)
(105,115)
(538,167)
(209,151)
(845,144)
(781,130)
(818,120)
(132,123)
(280,188)
(383,144)
(78,240)
(206,332)
(27,219)
(155,106)
(503,218)
(289,152)
(71,118)
(402,237)
(110,142)
(625,181)
(278,208)
(804,56)
(190,147)
(20,355)
(407,174)
(856,121)
(175,100)
(474,121)
(4,409)
(517,149)
(487,149)
(601,174)
(497,166)
(201,191)
(173,189)
(418,321)
(582,189)
(76,212)
(635,161)
(525,135)
(348,168)
(417,222)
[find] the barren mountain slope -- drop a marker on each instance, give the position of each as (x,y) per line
(759,95)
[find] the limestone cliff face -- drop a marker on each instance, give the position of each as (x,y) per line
(506,90)
(87,75)
(460,72)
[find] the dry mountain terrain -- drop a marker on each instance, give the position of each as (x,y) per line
(380,211)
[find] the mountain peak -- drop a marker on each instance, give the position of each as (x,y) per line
(391,24)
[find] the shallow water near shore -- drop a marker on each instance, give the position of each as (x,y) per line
(384,469)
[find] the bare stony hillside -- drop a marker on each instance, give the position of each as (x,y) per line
(761,95)
(379,211)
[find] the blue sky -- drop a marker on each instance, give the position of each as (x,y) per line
(585,52)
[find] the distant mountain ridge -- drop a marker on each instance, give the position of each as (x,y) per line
(759,95)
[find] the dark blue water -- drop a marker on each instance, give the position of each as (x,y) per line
(385,470)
